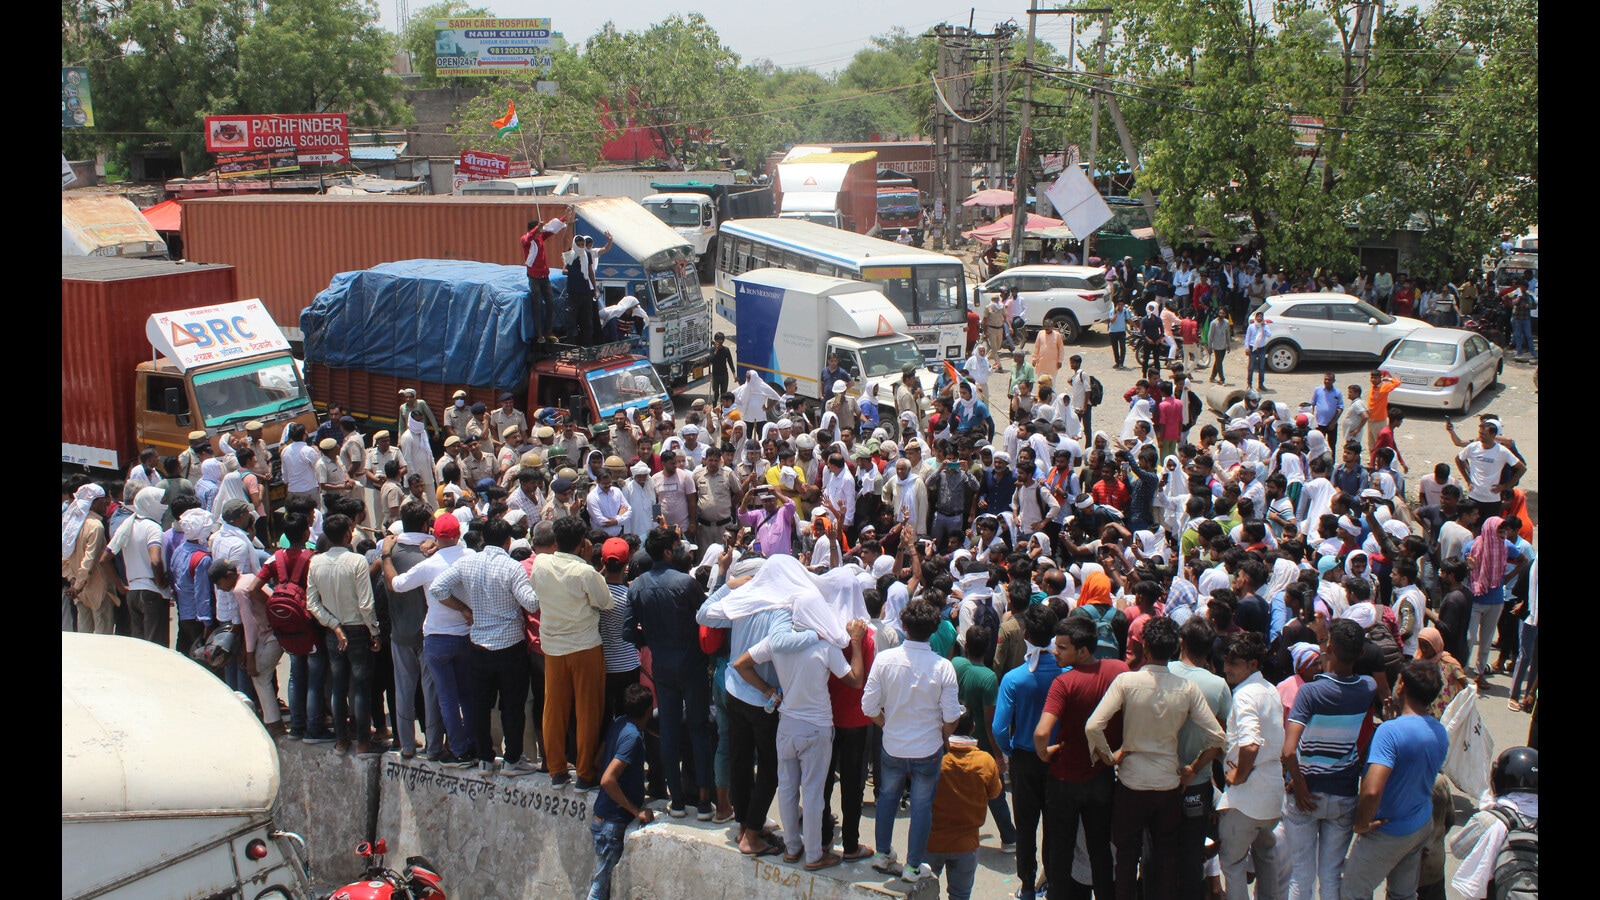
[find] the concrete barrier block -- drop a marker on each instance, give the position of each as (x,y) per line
(490,836)
(667,861)
(331,801)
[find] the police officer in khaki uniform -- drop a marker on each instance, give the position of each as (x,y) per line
(458,416)
(380,454)
(331,475)
(506,415)
(716,486)
(262,464)
(190,459)
(476,465)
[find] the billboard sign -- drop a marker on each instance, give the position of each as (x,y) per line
(238,165)
(490,46)
(208,334)
(479,166)
(314,137)
(77,110)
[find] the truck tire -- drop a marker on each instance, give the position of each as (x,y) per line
(1067,324)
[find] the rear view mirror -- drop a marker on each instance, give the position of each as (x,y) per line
(172,398)
(1371,321)
(579,409)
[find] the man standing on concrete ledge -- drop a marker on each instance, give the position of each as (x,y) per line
(911,695)
(571,596)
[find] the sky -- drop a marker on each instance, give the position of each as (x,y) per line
(820,34)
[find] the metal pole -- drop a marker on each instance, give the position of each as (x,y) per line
(1019,209)
(1090,241)
(1132,153)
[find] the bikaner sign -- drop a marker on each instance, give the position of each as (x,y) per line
(315,137)
(480,165)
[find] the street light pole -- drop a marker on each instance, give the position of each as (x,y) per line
(1019,209)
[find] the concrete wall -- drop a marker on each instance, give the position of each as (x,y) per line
(331,801)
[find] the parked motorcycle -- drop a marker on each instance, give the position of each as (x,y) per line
(419,881)
(1488,326)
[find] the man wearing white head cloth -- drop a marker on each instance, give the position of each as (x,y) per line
(753,615)
(191,562)
(639,493)
(832,605)
(752,397)
(139,540)
(86,573)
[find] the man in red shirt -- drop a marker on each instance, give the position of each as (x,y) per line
(1405,298)
(1169,413)
(850,741)
(1111,490)
(541,299)
(1080,786)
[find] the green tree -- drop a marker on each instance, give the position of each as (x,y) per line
(320,56)
(562,126)
(417,38)
(677,79)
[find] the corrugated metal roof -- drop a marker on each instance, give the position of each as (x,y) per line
(388,153)
(639,233)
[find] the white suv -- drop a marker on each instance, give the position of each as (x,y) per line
(1329,326)
(1071,297)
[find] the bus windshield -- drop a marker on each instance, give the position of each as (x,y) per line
(252,389)
(927,295)
(889,359)
(628,387)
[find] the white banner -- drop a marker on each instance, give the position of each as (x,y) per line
(1078,203)
(208,334)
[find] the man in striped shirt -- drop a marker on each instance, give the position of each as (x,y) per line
(492,589)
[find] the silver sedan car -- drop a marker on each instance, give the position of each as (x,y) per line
(1442,368)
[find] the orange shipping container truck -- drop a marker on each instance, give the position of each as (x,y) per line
(835,189)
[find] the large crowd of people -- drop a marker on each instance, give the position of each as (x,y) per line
(1164,656)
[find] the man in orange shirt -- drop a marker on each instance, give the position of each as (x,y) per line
(968,779)
(1378,404)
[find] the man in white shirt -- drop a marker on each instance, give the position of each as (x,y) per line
(447,673)
(1253,802)
(839,489)
(299,460)
(1077,389)
(1256,336)
(608,509)
(911,695)
(1482,464)
(805,732)
(640,493)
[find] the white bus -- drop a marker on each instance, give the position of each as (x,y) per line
(929,288)
(527,186)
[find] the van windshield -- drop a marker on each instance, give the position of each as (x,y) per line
(627,387)
(252,389)
(889,359)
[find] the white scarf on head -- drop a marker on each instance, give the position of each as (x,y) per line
(821,603)
(147,504)
(750,398)
(77,513)
(232,489)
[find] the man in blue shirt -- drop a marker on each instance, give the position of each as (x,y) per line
(1394,816)
(621,799)
(1118,329)
(190,564)
(1016,715)
(834,372)
(1323,760)
(1328,403)
(972,414)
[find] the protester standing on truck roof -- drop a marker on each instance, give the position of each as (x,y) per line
(541,299)
(583,315)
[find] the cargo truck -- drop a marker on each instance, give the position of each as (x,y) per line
(899,206)
(835,189)
(168,781)
(789,322)
(107,225)
(210,366)
(439,326)
(638,185)
(287,249)
(696,211)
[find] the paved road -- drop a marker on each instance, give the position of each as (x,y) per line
(1422,440)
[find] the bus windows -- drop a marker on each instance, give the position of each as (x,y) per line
(900,293)
(940,295)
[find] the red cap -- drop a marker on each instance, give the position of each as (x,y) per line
(447,526)
(615,548)
(1302,420)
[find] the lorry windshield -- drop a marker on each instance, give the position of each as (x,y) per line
(627,387)
(677,213)
(664,290)
(898,204)
(889,359)
(927,295)
(254,388)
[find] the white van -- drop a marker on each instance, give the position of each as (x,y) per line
(167,781)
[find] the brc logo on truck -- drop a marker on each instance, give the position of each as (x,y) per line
(218,332)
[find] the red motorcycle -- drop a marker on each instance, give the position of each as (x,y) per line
(418,882)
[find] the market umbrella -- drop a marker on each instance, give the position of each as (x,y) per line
(990,197)
(1001,228)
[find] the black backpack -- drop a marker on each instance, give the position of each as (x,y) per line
(1097,391)
(1516,867)
(1380,635)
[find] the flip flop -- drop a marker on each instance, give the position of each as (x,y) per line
(769,850)
(1514,706)
(862,851)
(827,861)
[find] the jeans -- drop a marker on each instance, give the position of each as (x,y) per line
(1199,802)
(1119,348)
(923,776)
(683,700)
(753,736)
(409,675)
(1317,841)
(804,752)
(351,672)
(541,306)
(963,869)
(1257,367)
(1030,779)
(1376,858)
(1238,835)
(1133,812)
(1527,670)
(722,763)
(1481,627)
(1068,805)
(946,525)
(190,633)
(850,762)
(499,674)
(150,616)
(608,838)
(446,657)
(1522,336)
(307,675)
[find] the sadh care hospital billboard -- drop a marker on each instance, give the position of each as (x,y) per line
(490,46)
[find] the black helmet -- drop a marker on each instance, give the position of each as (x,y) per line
(1251,396)
(1517,769)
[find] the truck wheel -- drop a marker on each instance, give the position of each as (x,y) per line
(1067,324)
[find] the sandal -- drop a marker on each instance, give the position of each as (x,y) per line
(862,851)
(1514,706)
(769,850)
(827,861)
(792,858)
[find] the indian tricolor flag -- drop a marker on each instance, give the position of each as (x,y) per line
(507,123)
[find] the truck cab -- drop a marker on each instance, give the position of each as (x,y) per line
(218,367)
(694,216)
(592,383)
(168,782)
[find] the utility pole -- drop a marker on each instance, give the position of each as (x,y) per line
(1100,41)
(1132,154)
(941,146)
(1019,208)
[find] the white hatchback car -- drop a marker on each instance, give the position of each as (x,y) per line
(1329,326)
(1443,368)
(1072,297)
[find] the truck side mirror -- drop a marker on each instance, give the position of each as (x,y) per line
(173,399)
(579,408)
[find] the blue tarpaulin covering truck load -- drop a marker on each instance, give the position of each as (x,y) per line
(442,325)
